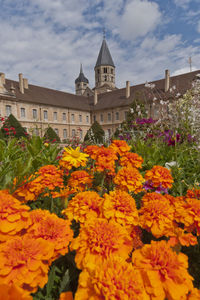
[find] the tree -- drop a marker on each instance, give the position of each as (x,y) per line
(51,136)
(95,134)
(12,127)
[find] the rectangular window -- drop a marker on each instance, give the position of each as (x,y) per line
(105,70)
(64,116)
(109,133)
(125,115)
(72,118)
(94,118)
(73,132)
(56,131)
(80,118)
(34,113)
(64,133)
(101,117)
(87,119)
(55,116)
(109,116)
(81,134)
(117,116)
(36,131)
(8,110)
(45,115)
(22,112)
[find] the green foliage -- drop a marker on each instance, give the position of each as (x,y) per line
(95,134)
(12,127)
(51,136)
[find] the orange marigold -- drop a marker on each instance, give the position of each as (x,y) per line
(14,216)
(73,158)
(83,206)
(163,271)
(129,179)
(98,239)
(53,229)
(92,151)
(113,279)
(159,177)
(13,292)
(131,159)
(66,296)
(24,262)
(80,180)
(156,215)
(180,237)
(194,294)
(120,147)
(188,212)
(194,193)
(105,160)
(120,206)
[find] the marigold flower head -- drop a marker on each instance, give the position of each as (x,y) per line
(120,147)
(80,180)
(160,177)
(105,160)
(113,279)
(66,296)
(97,240)
(129,179)
(131,159)
(83,206)
(13,292)
(92,151)
(24,262)
(120,206)
(53,229)
(163,271)
(180,237)
(194,294)
(14,216)
(194,193)
(73,158)
(157,216)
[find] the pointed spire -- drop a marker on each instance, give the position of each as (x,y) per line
(81,69)
(104,57)
(81,77)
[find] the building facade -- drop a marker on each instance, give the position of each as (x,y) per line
(71,115)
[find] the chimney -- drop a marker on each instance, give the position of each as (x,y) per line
(167,77)
(3,79)
(95,97)
(12,88)
(25,82)
(21,83)
(127,89)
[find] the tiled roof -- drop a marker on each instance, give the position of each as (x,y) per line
(104,57)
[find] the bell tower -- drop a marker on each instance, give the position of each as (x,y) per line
(81,83)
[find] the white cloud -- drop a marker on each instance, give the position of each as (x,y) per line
(182,3)
(198,26)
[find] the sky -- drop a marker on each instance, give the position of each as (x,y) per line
(46,40)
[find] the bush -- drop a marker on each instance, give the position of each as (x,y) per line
(13,128)
(95,134)
(51,135)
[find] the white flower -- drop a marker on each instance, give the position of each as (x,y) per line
(170,164)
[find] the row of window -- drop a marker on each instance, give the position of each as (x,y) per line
(105,70)
(36,132)
(109,116)
(106,78)
(45,114)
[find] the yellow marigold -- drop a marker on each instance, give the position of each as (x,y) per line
(131,159)
(99,239)
(159,177)
(120,206)
(24,262)
(188,212)
(113,279)
(105,160)
(66,296)
(48,177)
(53,229)
(83,206)
(14,216)
(129,179)
(13,292)
(120,147)
(92,151)
(73,158)
(80,180)
(164,272)
(156,215)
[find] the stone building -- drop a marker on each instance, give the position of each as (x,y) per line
(71,115)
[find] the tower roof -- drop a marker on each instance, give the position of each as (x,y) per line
(81,77)
(104,57)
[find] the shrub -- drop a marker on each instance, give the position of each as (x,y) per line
(51,135)
(12,127)
(95,134)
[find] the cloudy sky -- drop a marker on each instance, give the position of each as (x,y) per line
(46,40)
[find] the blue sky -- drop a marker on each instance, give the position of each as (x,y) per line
(46,40)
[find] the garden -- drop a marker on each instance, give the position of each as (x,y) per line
(114,220)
